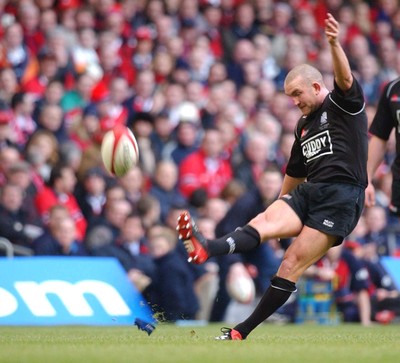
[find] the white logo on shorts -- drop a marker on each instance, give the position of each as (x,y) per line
(232,244)
(328,223)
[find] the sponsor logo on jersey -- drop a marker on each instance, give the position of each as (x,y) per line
(317,146)
(395,98)
(324,118)
(398,121)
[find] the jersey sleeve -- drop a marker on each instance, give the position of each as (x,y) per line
(382,125)
(296,167)
(350,101)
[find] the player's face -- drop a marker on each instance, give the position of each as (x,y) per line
(303,94)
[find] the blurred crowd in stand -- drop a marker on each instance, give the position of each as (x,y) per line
(200,83)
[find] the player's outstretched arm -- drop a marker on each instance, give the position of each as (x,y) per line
(376,153)
(289,183)
(341,66)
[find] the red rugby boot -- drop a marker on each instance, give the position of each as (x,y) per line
(229,334)
(194,242)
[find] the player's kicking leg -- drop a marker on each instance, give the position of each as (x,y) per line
(199,249)
(194,242)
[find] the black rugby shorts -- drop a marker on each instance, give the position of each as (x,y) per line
(332,208)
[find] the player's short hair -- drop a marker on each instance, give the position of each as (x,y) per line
(309,73)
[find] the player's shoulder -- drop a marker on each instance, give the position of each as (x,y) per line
(350,102)
(392,87)
(301,122)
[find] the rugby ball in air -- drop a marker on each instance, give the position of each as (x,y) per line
(239,285)
(119,150)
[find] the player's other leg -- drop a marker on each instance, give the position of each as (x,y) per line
(305,250)
(229,334)
(277,221)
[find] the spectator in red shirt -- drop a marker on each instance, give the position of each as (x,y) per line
(143,54)
(110,106)
(205,168)
(213,16)
(7,135)
(60,191)
(29,17)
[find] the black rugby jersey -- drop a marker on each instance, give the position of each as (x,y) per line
(331,144)
(387,118)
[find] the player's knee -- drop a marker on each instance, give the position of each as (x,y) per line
(265,227)
(271,224)
(289,268)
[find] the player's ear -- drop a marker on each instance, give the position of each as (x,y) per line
(316,87)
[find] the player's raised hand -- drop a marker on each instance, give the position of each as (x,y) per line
(331,29)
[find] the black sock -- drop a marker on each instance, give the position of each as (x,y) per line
(242,240)
(275,296)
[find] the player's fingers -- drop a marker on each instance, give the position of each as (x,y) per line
(369,199)
(330,18)
(331,28)
(368,203)
(331,24)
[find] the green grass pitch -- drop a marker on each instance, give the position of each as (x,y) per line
(169,343)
